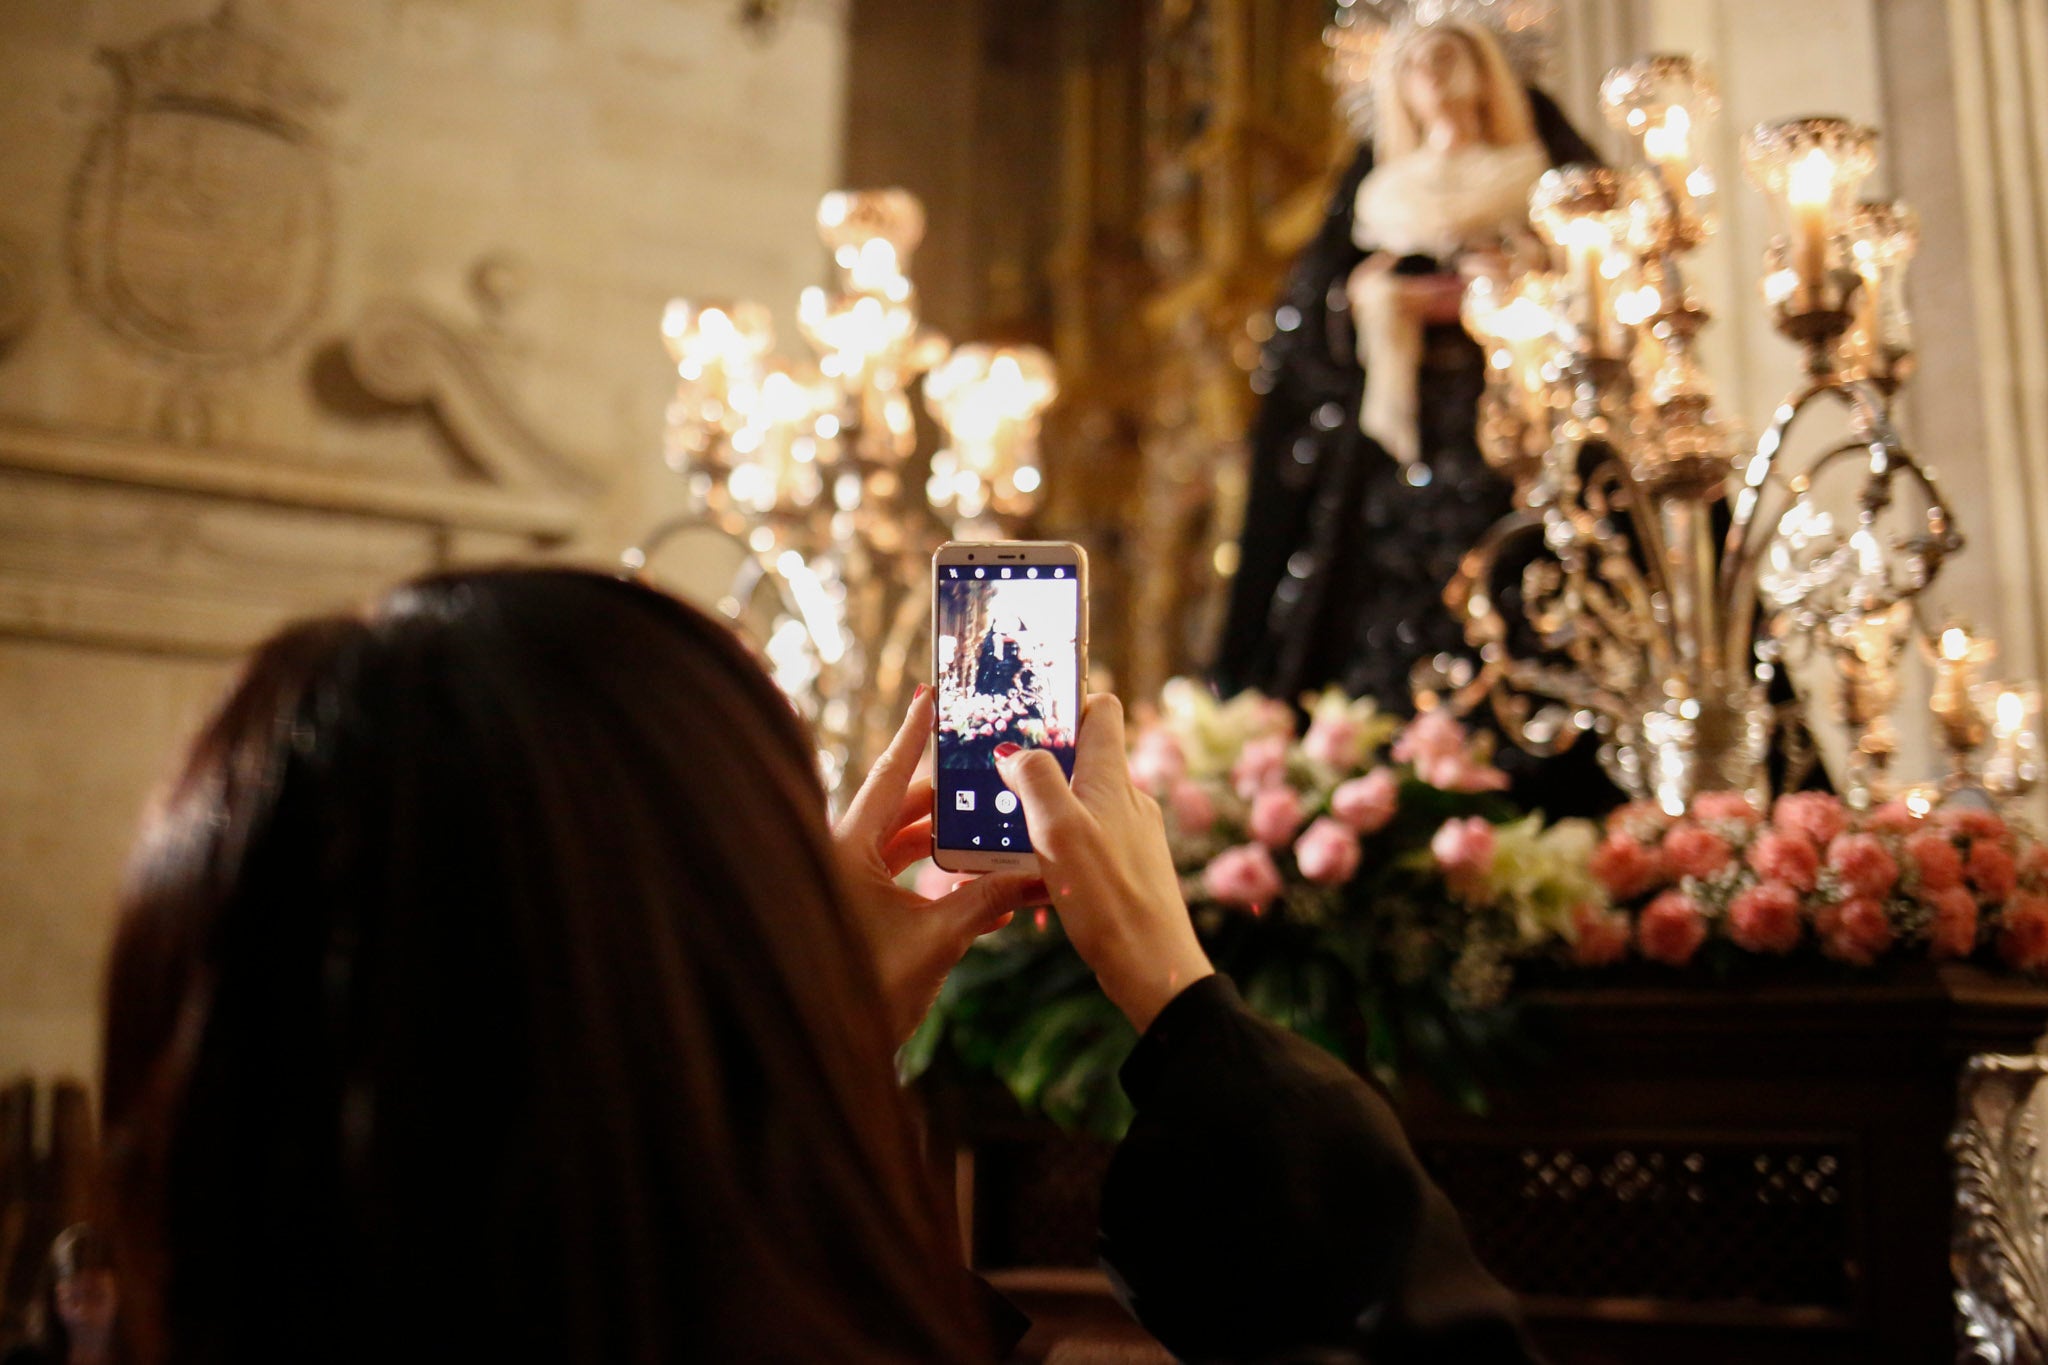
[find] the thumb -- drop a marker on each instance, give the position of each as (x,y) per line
(980,905)
(1040,784)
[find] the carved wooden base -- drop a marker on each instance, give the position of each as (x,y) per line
(1698,1174)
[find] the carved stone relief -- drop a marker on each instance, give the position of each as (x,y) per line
(202,215)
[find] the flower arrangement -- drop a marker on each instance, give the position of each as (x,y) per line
(1368,884)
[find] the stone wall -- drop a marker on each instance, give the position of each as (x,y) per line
(298,298)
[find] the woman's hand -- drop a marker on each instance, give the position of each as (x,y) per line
(1102,850)
(914,941)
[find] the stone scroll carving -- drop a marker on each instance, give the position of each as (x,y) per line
(2000,1253)
(202,214)
(403,355)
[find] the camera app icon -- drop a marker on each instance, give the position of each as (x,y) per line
(963,800)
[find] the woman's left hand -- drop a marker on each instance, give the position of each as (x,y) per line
(914,940)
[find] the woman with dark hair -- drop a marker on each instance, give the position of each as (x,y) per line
(490,985)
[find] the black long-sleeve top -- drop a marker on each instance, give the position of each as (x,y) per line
(1267,1207)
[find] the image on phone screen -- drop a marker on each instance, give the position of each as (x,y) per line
(1008,673)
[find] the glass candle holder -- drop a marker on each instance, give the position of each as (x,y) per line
(1579,210)
(1665,102)
(1878,344)
(989,399)
(1810,169)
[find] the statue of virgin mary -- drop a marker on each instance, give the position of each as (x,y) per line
(1367,484)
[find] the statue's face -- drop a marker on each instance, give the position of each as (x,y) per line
(1439,71)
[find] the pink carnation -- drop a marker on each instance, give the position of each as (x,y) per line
(1261,763)
(935,883)
(1244,875)
(1992,871)
(1600,937)
(1671,929)
(1626,868)
(1694,851)
(1787,858)
(1893,817)
(1333,740)
(1464,850)
(1953,930)
(1157,760)
(1731,806)
(1194,810)
(1816,815)
(2023,935)
(1856,931)
(1765,919)
(1941,867)
(1862,865)
(1327,852)
(1367,803)
(1435,734)
(1972,823)
(1276,815)
(2034,864)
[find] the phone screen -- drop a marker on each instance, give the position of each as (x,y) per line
(1009,672)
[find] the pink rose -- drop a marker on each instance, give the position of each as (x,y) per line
(2023,933)
(1261,763)
(1992,871)
(935,883)
(1157,760)
(1972,823)
(1333,740)
(1816,815)
(1730,806)
(1460,773)
(1433,734)
(1367,803)
(1863,866)
(1276,815)
(1327,852)
(1626,868)
(1600,937)
(1953,930)
(1941,867)
(1893,817)
(1671,929)
(1244,875)
(1694,851)
(1464,850)
(1856,931)
(1193,809)
(1787,858)
(1765,919)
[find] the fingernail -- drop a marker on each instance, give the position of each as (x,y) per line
(918,695)
(1006,748)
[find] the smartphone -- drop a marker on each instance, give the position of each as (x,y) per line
(1009,661)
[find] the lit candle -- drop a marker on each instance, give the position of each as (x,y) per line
(1586,246)
(1809,191)
(1667,142)
(2015,737)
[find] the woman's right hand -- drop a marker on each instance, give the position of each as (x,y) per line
(1102,851)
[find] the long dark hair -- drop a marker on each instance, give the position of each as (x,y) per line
(485,968)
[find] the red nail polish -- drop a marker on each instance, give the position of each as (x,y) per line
(1006,748)
(918,695)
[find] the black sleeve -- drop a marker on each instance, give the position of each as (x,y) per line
(1266,1202)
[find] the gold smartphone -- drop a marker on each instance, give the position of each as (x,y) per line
(1009,664)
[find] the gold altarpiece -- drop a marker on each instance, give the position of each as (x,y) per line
(1199,145)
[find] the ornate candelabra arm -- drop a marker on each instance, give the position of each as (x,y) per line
(1745,543)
